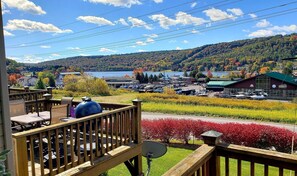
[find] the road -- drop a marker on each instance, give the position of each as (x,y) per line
(151,115)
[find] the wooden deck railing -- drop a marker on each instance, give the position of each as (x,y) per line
(28,94)
(77,141)
(207,160)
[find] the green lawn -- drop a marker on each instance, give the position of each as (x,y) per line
(159,165)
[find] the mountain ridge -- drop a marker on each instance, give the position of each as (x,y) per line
(225,56)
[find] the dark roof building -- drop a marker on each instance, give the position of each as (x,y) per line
(276,85)
(218,85)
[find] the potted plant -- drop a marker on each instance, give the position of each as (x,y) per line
(3,155)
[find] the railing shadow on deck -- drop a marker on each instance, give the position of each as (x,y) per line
(56,148)
(206,160)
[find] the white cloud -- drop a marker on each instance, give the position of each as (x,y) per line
(45,46)
(30,59)
(286,29)
(150,40)
(140,43)
(151,35)
(164,21)
(185,41)
(55,55)
(263,23)
(261,33)
(4,10)
(73,48)
(193,4)
(31,26)
(236,11)
(180,18)
(194,31)
(186,19)
(6,33)
(24,5)
(141,50)
(252,15)
(122,21)
(106,50)
(217,14)
(95,20)
(158,1)
(117,3)
(283,30)
(178,48)
(138,23)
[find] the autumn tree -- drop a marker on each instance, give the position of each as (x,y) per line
(264,70)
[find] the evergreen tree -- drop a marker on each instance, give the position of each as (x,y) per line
(185,74)
(151,78)
(146,79)
(51,81)
(155,78)
(40,84)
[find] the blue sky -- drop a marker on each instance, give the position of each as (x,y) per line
(42,30)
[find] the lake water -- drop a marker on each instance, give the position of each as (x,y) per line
(105,74)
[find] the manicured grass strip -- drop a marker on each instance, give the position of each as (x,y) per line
(267,115)
(159,165)
(222,102)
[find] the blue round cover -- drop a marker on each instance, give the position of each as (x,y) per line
(87,107)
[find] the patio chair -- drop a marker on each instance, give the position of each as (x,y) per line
(67,100)
(17,108)
(58,112)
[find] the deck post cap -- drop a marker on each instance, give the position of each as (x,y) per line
(211,137)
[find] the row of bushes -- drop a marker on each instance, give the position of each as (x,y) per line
(223,102)
(252,135)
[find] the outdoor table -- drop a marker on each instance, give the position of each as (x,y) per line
(31,118)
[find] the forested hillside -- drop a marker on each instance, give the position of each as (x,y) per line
(251,54)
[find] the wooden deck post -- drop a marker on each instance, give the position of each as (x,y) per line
(138,140)
(21,156)
(47,104)
(211,138)
(50,90)
(26,88)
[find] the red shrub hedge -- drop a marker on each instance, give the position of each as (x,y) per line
(252,135)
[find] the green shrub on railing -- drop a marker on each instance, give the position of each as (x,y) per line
(3,155)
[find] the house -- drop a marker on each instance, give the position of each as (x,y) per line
(276,85)
(27,81)
(59,80)
(117,82)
